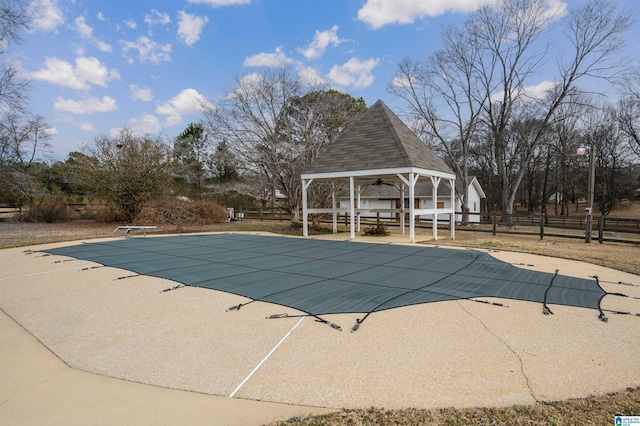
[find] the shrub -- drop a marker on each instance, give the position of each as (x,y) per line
(376,230)
(295,226)
(208,211)
(50,209)
(102,213)
(181,212)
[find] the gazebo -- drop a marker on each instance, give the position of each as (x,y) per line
(376,149)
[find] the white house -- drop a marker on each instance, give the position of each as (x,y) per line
(378,197)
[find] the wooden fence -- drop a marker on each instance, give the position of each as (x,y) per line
(622,230)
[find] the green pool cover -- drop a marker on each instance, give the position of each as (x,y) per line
(322,277)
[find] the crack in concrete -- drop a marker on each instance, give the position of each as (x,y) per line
(526,378)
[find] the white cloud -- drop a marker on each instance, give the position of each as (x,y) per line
(354,73)
(147,123)
(114,132)
(51,131)
(276,59)
(173,120)
(140,93)
(157,18)
(45,15)
(82,28)
(310,76)
(101,45)
(218,3)
(86,31)
(85,106)
(401,81)
(187,102)
(131,24)
(87,127)
(528,93)
(190,26)
(554,10)
(247,84)
(87,71)
(101,17)
(539,91)
(320,42)
(378,13)
(148,50)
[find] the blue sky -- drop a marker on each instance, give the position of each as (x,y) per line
(97,66)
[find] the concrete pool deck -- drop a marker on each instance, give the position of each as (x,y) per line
(82,345)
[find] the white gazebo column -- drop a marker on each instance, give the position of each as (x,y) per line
(412,218)
(352,216)
(305,224)
(334,212)
(435,181)
(402,207)
(452,218)
(358,208)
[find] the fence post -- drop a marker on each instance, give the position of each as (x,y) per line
(541,226)
(600,229)
(494,223)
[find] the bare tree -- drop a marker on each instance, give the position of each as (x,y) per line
(13,20)
(602,134)
(444,100)
(276,124)
(128,171)
(628,115)
(510,37)
(484,75)
(22,145)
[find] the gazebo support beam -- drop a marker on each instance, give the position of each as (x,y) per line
(358,208)
(333,207)
(352,215)
(402,207)
(452,217)
(305,220)
(435,181)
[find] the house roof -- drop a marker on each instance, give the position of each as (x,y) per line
(423,188)
(473,181)
(377,140)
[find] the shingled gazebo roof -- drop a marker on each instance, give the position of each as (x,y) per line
(379,148)
(378,140)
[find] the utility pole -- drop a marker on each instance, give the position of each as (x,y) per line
(590,190)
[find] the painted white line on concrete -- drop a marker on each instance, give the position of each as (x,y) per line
(265,358)
(39,273)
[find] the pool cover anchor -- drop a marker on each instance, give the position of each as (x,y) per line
(126,276)
(92,267)
(275,316)
(317,319)
(237,307)
(172,288)
(359,321)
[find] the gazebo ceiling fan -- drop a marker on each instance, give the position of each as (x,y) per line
(379,182)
